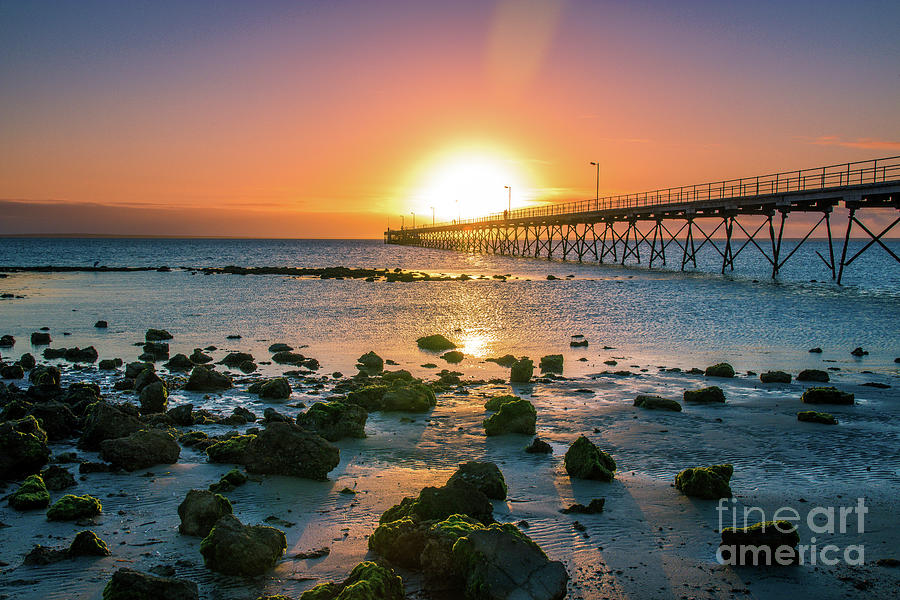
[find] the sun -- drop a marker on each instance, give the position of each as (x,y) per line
(469,184)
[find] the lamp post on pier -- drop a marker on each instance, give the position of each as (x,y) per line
(597,164)
(509,201)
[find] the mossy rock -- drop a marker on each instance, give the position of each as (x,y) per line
(435,343)
(816,375)
(811,416)
(31,494)
(236,549)
(521,370)
(157,335)
(552,363)
(200,510)
(709,483)
(141,449)
(228,482)
(154,398)
(275,389)
(400,541)
(400,376)
(517,416)
(436,504)
(23,448)
(453,357)
(367,581)
(335,420)
(507,360)
(371,362)
(414,397)
(656,403)
(759,543)
(204,379)
(232,450)
(826,395)
(484,476)
(708,395)
(436,558)
(720,370)
(127,584)
(369,397)
(496,402)
(775,377)
(87,543)
(584,460)
(73,508)
(539,446)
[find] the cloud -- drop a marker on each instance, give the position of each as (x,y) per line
(864,143)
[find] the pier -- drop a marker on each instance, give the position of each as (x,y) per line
(673,224)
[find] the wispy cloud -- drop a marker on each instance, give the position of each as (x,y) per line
(864,143)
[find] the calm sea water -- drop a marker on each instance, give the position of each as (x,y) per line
(654,317)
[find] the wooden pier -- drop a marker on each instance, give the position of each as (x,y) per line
(730,216)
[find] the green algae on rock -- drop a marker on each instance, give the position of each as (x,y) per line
(335,420)
(127,584)
(708,395)
(72,508)
(200,510)
(584,460)
(709,483)
(720,370)
(435,343)
(656,403)
(811,416)
(204,379)
(763,543)
(826,395)
(522,370)
(87,543)
(141,449)
(484,476)
(496,402)
(233,548)
(453,357)
(31,494)
(228,482)
(516,416)
(775,377)
(367,581)
(816,375)
(23,448)
(552,363)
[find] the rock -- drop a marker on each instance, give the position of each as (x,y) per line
(707,395)
(23,448)
(371,361)
(275,389)
(483,476)
(578,344)
(87,543)
(236,549)
(507,360)
(12,372)
(775,377)
(88,355)
(585,461)
(813,375)
(552,363)
(231,450)
(369,397)
(182,415)
(413,397)
(234,359)
(280,347)
(105,421)
(57,478)
(133,369)
(7,341)
(502,562)
(127,584)
(157,335)
(179,362)
(496,402)
(811,416)
(74,508)
(720,370)
(141,449)
(270,415)
(109,364)
(539,446)
(594,507)
(656,403)
(203,379)
(228,482)
(858,351)
(288,358)
(199,358)
(58,420)
(145,378)
(826,395)
(435,343)
(816,350)
(101,324)
(522,370)
(248,366)
(45,375)
(453,357)
(27,361)
(39,338)
(436,504)
(518,416)
(200,511)
(367,581)
(31,494)
(154,398)
(41,555)
(401,541)
(742,545)
(156,350)
(335,420)
(710,483)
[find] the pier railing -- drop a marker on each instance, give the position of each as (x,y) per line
(879,170)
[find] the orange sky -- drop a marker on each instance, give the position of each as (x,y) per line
(332,119)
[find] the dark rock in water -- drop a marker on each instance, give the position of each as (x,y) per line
(507,360)
(414,397)
(42,555)
(127,584)
(44,375)
(133,369)
(154,398)
(760,543)
(502,562)
(453,357)
(248,366)
(105,421)
(234,359)
(858,351)
(228,482)
(826,395)
(233,336)
(584,460)
(775,377)
(40,338)
(27,361)
(436,504)
(57,478)
(369,397)
(179,362)
(288,358)
(23,448)
(811,416)
(199,358)
(522,370)
(816,350)
(710,483)
(200,511)
(707,395)
(196,439)
(145,378)
(94,467)
(157,335)
(203,379)
(275,389)
(483,476)
(579,343)
(87,543)
(101,324)
(270,415)
(12,372)
(816,375)
(182,415)
(335,420)
(158,350)
(236,549)
(280,347)
(31,494)
(876,385)
(58,420)
(7,341)
(496,402)
(73,508)
(367,581)
(518,416)
(435,343)
(312,554)
(656,403)
(720,370)
(552,363)
(109,364)
(595,506)
(141,449)
(539,446)
(371,361)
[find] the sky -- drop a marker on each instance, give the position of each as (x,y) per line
(340,118)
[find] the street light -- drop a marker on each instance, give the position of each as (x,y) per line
(597,164)
(509,206)
(432,216)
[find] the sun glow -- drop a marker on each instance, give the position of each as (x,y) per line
(467,185)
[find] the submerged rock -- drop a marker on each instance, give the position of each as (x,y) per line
(30,495)
(816,375)
(720,370)
(203,379)
(656,403)
(517,416)
(707,395)
(335,420)
(552,363)
(236,549)
(858,351)
(826,395)
(811,416)
(453,357)
(584,460)
(73,508)
(157,335)
(522,370)
(483,476)
(539,446)
(435,343)
(371,361)
(367,581)
(40,338)
(775,377)
(760,543)
(141,449)
(127,584)
(507,360)
(200,510)
(710,483)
